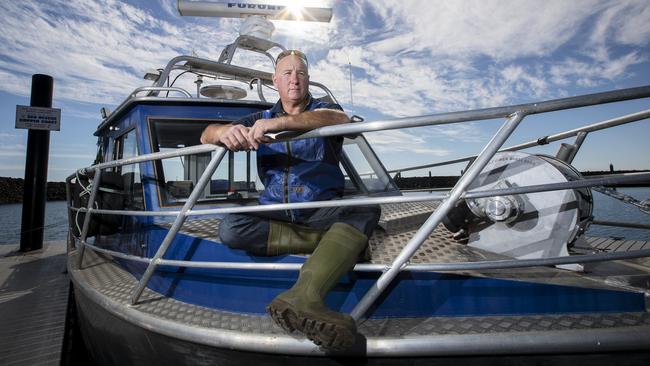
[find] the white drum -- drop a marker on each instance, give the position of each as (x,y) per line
(532,225)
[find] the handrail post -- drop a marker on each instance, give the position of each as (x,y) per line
(436,217)
(84,231)
(580,138)
(178,223)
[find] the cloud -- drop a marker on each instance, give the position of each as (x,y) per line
(416,58)
(401,141)
(465,132)
(485,27)
(429,57)
(88,157)
(97,52)
(11,168)
(592,73)
(4,135)
(408,58)
(633,27)
(12,147)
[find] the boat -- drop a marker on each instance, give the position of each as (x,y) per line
(497,265)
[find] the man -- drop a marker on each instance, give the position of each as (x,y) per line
(299,171)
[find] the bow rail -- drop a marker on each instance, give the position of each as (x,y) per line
(513,115)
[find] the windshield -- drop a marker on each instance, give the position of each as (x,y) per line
(236,178)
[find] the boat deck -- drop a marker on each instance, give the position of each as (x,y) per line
(399,222)
(116,285)
(580,332)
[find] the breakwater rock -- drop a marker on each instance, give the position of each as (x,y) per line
(11,190)
(450,181)
(426,182)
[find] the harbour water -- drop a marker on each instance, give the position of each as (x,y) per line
(605,208)
(56,222)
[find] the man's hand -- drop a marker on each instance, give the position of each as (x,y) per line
(261,127)
(232,137)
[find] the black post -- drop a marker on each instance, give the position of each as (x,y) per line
(35,187)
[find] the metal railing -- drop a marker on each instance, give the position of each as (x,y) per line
(514,115)
(204,67)
(580,132)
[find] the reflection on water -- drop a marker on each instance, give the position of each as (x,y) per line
(605,208)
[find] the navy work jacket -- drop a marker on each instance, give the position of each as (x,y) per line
(299,171)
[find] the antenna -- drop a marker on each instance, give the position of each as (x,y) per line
(350,69)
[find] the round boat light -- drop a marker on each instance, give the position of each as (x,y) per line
(223,92)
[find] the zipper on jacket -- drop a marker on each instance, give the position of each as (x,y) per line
(286,180)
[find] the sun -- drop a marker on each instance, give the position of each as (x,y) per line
(296,10)
(299,9)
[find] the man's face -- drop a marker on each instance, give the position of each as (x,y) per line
(291,79)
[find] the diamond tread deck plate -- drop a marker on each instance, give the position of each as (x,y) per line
(113,282)
(440,247)
(399,223)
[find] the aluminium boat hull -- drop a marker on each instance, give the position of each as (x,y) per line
(161,330)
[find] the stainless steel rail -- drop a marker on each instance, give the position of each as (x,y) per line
(159,89)
(198,149)
(436,217)
(91,200)
(633,117)
(631,225)
(365,267)
(617,178)
(514,115)
(196,64)
(481,114)
(180,219)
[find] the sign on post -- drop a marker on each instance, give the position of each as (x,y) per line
(38,118)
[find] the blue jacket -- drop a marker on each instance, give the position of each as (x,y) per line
(299,171)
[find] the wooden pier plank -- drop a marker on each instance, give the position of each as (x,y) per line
(638,245)
(626,246)
(622,245)
(611,245)
(607,244)
(614,244)
(598,243)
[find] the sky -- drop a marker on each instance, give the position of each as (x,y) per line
(405,58)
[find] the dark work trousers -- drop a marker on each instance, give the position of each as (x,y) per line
(250,231)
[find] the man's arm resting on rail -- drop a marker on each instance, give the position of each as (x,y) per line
(233,137)
(304,121)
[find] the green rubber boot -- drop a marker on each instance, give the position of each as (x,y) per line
(302,307)
(286,238)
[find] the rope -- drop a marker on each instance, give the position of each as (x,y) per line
(51,225)
(644,206)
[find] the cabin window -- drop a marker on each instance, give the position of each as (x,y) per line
(234,180)
(124,147)
(364,174)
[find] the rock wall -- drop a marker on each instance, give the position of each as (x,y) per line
(11,190)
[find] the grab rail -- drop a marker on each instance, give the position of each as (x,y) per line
(588,182)
(479,114)
(180,219)
(633,117)
(514,115)
(367,267)
(159,89)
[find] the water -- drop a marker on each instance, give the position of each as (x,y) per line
(605,208)
(56,222)
(610,209)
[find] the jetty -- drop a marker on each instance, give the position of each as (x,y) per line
(33,301)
